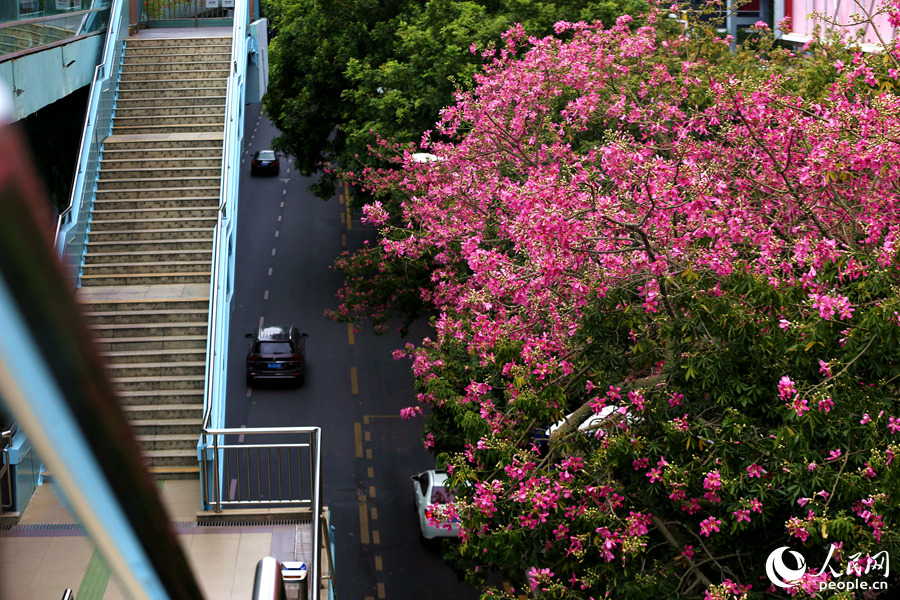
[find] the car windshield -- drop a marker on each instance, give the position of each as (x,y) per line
(266,155)
(441,495)
(274,348)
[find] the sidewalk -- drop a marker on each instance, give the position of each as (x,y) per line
(47,552)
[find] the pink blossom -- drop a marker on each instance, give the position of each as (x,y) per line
(755,470)
(893,424)
(826,404)
(708,525)
(834,454)
(786,388)
(742,514)
(410,412)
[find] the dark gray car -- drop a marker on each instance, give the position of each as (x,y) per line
(277,353)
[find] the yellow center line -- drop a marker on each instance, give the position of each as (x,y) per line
(363,521)
(357,439)
(372,492)
(376,537)
(381,591)
(378,565)
(354,382)
(351,338)
(371,473)
(373,513)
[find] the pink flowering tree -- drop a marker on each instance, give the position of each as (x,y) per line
(691,274)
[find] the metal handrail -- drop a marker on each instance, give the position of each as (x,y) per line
(217,451)
(216,348)
(75,214)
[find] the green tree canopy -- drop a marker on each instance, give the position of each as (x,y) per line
(343,71)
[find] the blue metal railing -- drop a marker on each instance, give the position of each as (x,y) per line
(222,284)
(74,221)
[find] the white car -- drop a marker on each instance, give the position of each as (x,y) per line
(431,497)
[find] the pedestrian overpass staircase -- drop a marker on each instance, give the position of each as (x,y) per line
(145,278)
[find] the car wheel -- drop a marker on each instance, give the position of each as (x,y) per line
(249,380)
(301,380)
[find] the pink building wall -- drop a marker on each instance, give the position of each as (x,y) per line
(840,11)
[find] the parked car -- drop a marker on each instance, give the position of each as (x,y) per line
(277,353)
(431,498)
(265,162)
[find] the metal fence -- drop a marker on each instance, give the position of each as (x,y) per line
(275,467)
(186,10)
(261,467)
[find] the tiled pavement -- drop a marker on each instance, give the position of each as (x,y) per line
(47,552)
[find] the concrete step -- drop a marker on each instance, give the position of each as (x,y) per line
(170,202)
(146,279)
(183,146)
(156,369)
(175,87)
(185,93)
(177,66)
(183,439)
(157,129)
(123,104)
(174,59)
(159,398)
(162,194)
(147,342)
(128,330)
(182,355)
(169,223)
(123,316)
(160,462)
(176,382)
(132,235)
(179,119)
(149,256)
(145,268)
(159,193)
(140,247)
(149,414)
(177,172)
(130,162)
(157,46)
(145,183)
(152,212)
(131,112)
(127,306)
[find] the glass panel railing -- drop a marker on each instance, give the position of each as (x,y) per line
(38,29)
(71,233)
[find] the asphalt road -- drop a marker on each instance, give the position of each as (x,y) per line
(286,243)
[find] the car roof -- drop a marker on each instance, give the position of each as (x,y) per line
(265,153)
(274,333)
(588,423)
(438,477)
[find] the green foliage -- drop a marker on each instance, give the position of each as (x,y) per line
(343,72)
